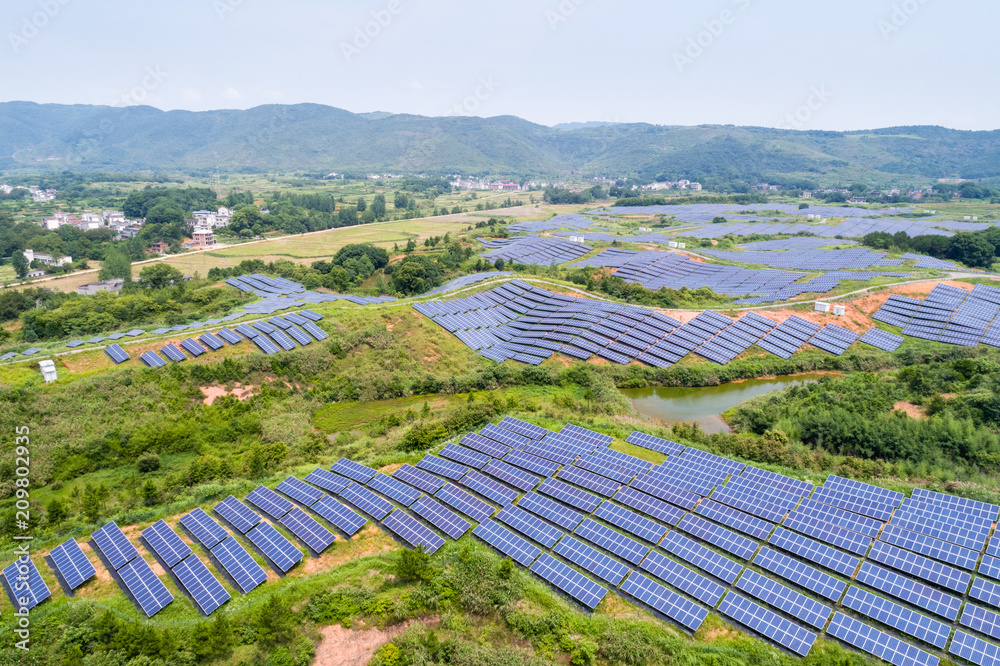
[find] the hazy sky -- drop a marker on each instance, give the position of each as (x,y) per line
(851,64)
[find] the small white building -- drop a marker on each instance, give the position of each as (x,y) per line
(48,369)
(822,307)
(839,310)
(113,286)
(47,259)
(576,239)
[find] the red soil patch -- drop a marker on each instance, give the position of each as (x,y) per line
(347,647)
(213,393)
(911,410)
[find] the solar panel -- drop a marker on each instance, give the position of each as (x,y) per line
(921,567)
(785,599)
(801,574)
(270,502)
(117,550)
(573,583)
(230,336)
(832,534)
(278,549)
(649,505)
(470,505)
(488,488)
(315,331)
(875,642)
(766,623)
(165,543)
(814,551)
(147,590)
(686,613)
(152,360)
(238,563)
(717,536)
(441,517)
(530,526)
(682,578)
(441,467)
(308,530)
(664,491)
(237,514)
(631,522)
(300,491)
(505,436)
(418,478)
(364,499)
(908,590)
(339,515)
(206,590)
(738,520)
(265,344)
(413,531)
(974,649)
(589,480)
(205,530)
(657,444)
(327,480)
(72,564)
(173,353)
(116,354)
(567,494)
(532,463)
(393,489)
(26,583)
(980,619)
(353,470)
(898,617)
(465,456)
(485,445)
(523,428)
(191,346)
(705,559)
(507,542)
(211,341)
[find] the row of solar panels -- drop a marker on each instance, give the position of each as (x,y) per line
(948,314)
(565,499)
(287,332)
(520,322)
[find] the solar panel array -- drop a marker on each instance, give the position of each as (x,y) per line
(533,250)
(949,314)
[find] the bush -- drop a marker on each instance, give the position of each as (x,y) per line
(148,462)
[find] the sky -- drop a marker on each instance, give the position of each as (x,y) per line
(846,65)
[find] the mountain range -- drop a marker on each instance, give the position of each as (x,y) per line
(312,138)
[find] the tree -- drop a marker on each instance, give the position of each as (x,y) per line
(20,264)
(55,512)
(116,265)
(159,275)
(499,264)
(379,206)
(148,462)
(413,564)
(275,621)
(362,206)
(972,250)
(718,219)
(91,504)
(150,493)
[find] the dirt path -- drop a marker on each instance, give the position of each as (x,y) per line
(347,647)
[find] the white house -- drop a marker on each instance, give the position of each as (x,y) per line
(46,259)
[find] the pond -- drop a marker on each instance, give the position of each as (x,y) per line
(704,405)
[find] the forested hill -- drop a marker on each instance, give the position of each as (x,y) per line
(315,138)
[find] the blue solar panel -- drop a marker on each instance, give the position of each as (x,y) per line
(908,590)
(488,488)
(899,617)
(191,346)
(300,491)
(203,527)
(831,514)
(206,590)
(465,456)
(270,502)
(679,576)
(505,436)
(567,494)
(148,590)
(152,360)
(530,526)
(845,500)
(353,470)
(523,428)
(532,463)
(211,341)
(507,542)
(418,478)
(785,599)
(985,591)
(230,336)
(394,489)
(173,353)
(631,522)
(413,531)
(649,505)
(766,623)
(882,645)
(657,444)
(339,515)
(921,567)
(238,563)
(315,331)
(308,530)
(592,560)
(116,354)
(738,520)
(237,514)
(485,445)
(705,559)
(801,574)
(470,505)
(814,551)
(26,583)
(589,480)
(573,583)
(441,517)
(165,543)
(664,491)
(278,549)
(718,536)
(980,619)
(328,481)
(72,564)
(442,467)
(552,511)
(686,613)
(364,499)
(117,549)
(832,534)
(974,649)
